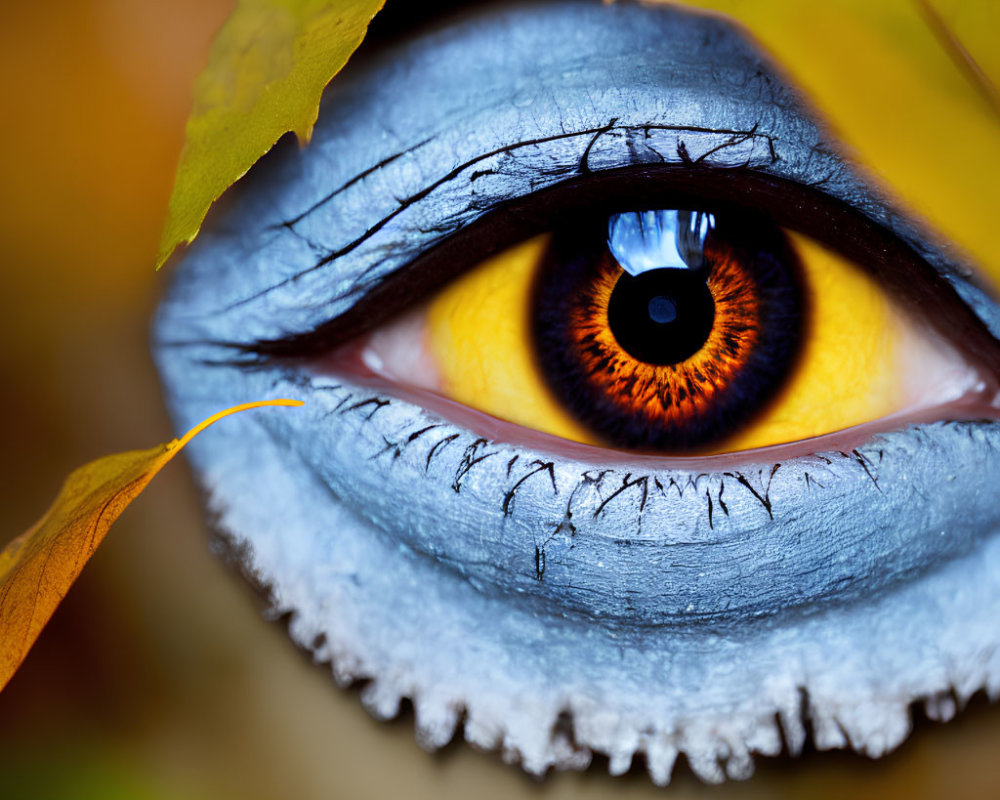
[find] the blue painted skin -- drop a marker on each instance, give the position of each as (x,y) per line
(662,610)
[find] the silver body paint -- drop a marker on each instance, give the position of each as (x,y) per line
(557,607)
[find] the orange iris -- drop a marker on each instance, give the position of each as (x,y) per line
(668,358)
(672,394)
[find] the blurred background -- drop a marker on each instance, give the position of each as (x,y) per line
(157,677)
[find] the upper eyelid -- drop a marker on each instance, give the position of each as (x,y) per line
(735,138)
(590,136)
(308,260)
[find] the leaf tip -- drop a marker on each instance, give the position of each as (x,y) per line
(281,401)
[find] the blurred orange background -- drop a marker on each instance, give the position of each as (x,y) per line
(158,678)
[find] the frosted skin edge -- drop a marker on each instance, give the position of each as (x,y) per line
(512,651)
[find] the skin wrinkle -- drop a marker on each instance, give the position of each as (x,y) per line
(361,175)
(555,605)
(314,295)
(362,282)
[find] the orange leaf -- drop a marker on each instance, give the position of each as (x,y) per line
(38,567)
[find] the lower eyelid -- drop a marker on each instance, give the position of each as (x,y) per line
(754,513)
(409,376)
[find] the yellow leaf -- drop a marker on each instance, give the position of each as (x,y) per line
(38,567)
(265,74)
(900,99)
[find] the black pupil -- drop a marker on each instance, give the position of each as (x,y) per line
(662,316)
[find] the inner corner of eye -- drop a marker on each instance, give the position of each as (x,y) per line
(671,331)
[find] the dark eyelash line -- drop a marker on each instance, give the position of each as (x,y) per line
(756,485)
(893,262)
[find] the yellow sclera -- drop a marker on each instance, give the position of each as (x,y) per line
(898,101)
(849,369)
(479,335)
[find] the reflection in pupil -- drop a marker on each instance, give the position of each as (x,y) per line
(663,316)
(646,240)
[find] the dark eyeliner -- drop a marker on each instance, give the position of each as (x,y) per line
(893,262)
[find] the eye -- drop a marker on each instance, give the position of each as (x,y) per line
(552,599)
(604,333)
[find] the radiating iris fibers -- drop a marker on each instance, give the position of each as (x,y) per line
(668,329)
